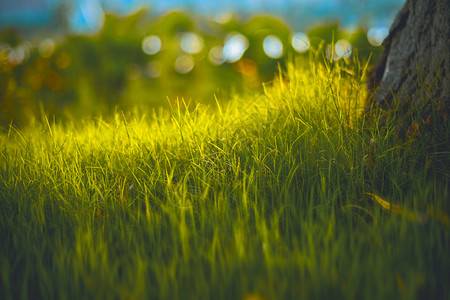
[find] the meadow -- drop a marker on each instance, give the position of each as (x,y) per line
(295,192)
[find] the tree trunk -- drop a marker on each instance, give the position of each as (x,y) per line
(414,66)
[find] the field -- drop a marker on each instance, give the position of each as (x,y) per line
(292,193)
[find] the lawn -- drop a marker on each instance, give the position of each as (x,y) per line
(292,193)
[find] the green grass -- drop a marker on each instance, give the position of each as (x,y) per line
(264,197)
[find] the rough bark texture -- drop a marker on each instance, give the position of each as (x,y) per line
(415,63)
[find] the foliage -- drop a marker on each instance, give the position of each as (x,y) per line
(93,75)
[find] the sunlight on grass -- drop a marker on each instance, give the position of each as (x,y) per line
(258,198)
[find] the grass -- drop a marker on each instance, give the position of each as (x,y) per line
(273,196)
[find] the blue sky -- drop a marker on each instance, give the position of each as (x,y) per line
(86,15)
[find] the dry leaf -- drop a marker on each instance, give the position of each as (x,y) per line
(412,215)
(395,208)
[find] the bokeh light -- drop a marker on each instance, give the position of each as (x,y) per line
(215,55)
(273,47)
(235,46)
(63,60)
(376,35)
(46,47)
(154,69)
(184,64)
(343,49)
(151,44)
(300,42)
(17,55)
(248,67)
(191,43)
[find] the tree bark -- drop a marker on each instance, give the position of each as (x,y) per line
(414,65)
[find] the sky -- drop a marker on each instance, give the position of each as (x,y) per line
(84,16)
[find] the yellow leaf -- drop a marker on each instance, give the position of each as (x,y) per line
(395,208)
(412,215)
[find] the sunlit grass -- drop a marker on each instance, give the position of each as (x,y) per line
(262,197)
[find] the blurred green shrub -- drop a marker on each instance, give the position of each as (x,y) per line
(81,75)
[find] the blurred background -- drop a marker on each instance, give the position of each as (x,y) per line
(78,58)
